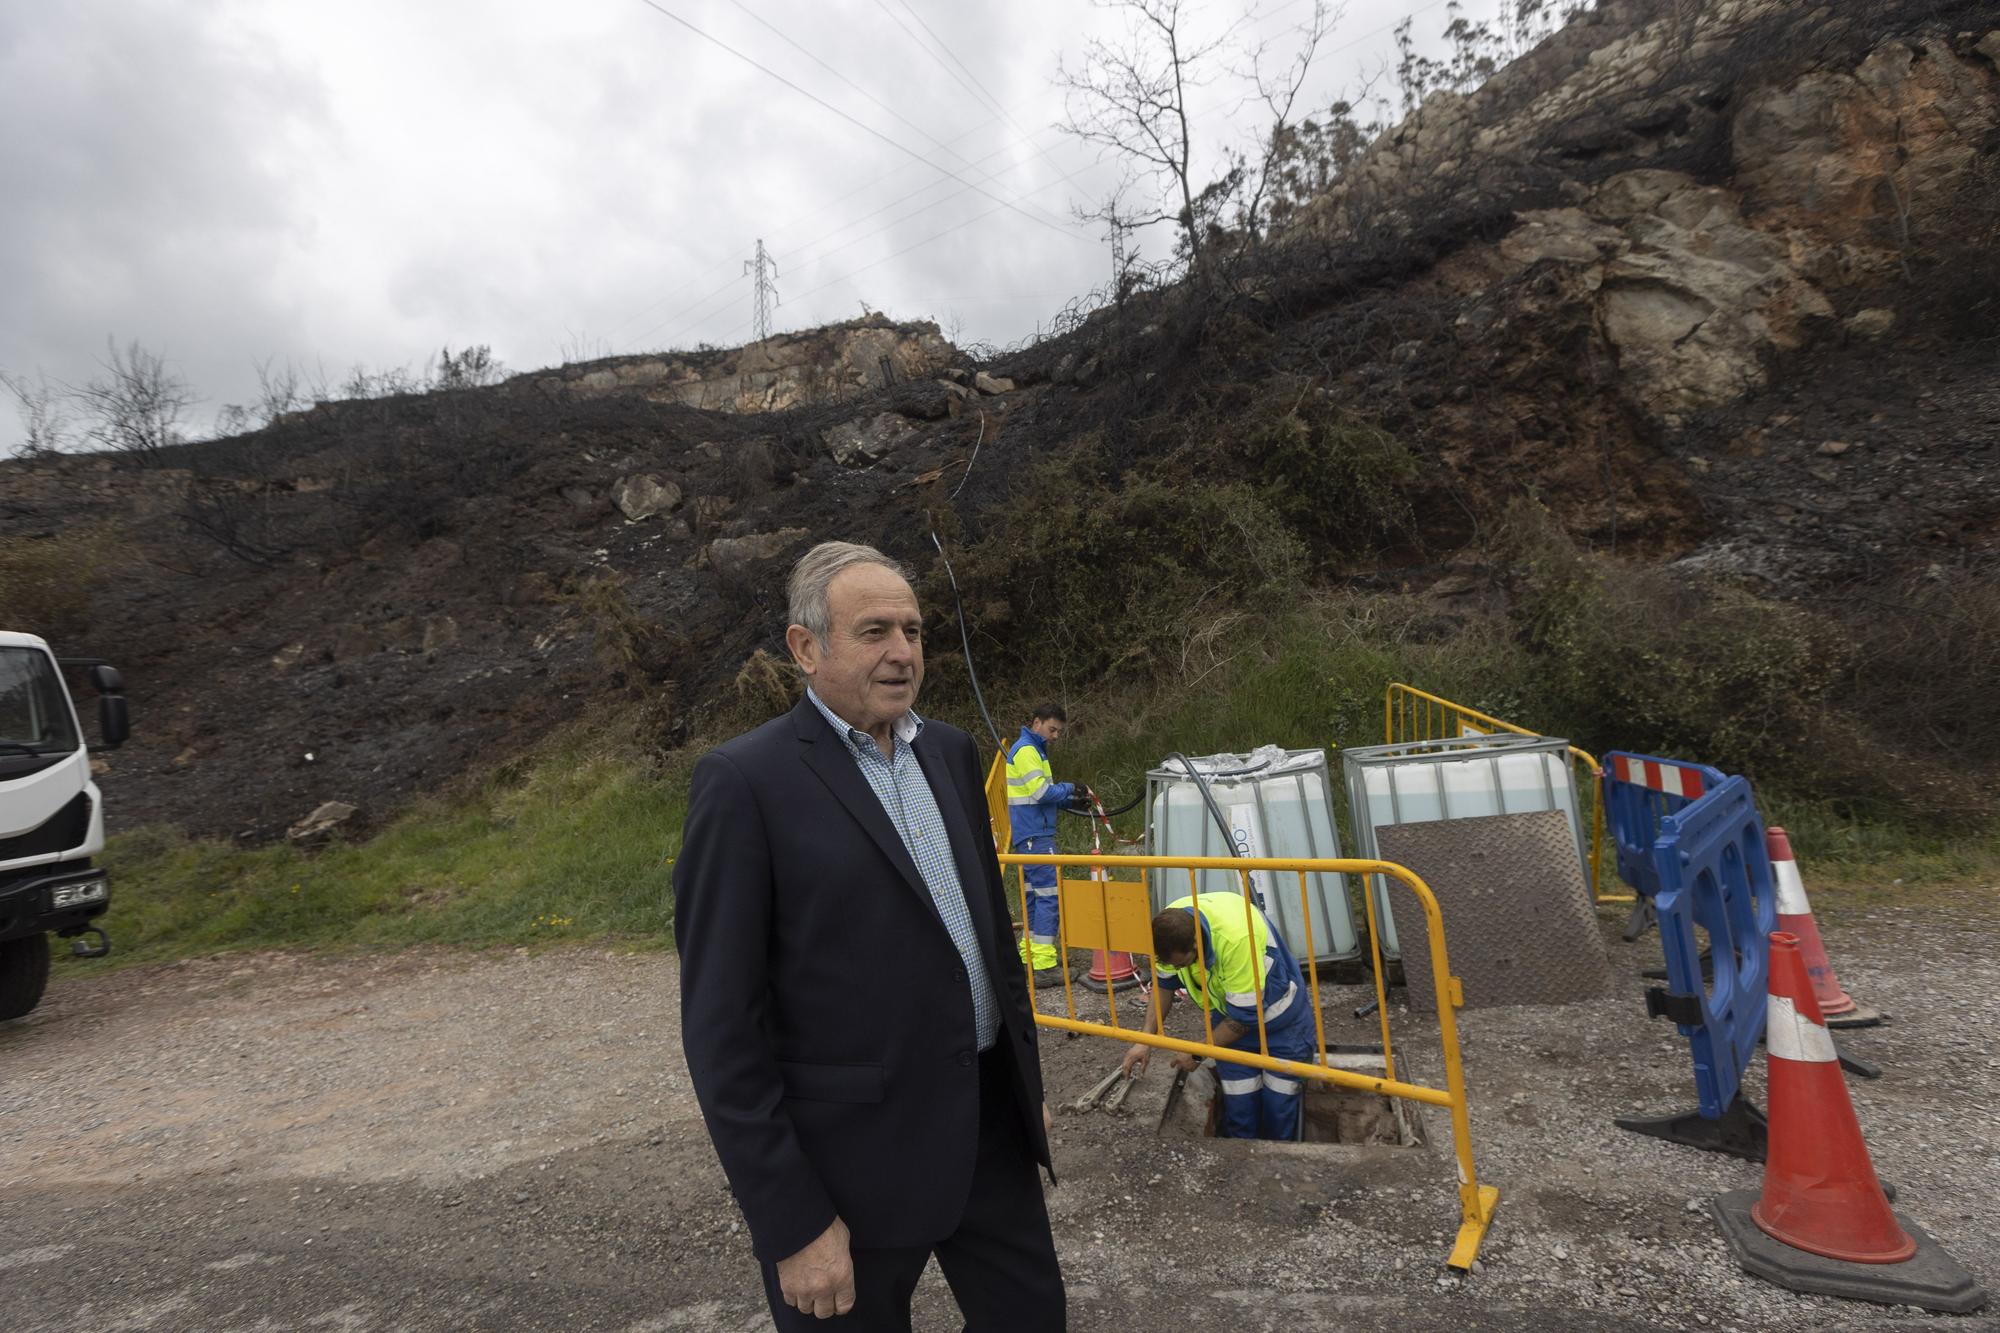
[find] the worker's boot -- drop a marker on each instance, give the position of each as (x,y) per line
(1048,964)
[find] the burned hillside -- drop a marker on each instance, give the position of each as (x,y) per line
(1692,308)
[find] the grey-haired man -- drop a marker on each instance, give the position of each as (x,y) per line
(862,1049)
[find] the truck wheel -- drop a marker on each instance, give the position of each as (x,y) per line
(24,974)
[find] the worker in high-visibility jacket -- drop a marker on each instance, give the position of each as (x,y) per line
(1236,956)
(1033,797)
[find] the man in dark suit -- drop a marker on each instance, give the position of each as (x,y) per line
(855,1022)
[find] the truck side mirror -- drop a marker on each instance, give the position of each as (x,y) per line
(114,719)
(106,679)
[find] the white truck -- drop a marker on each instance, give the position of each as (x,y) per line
(51,816)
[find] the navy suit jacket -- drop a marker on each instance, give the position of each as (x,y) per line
(824,1008)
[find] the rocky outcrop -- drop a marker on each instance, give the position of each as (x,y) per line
(320,824)
(641,497)
(1689,297)
(831,364)
(738,560)
(1812,181)
(858,443)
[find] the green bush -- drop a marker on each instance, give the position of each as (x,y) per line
(1339,481)
(46,582)
(1081,575)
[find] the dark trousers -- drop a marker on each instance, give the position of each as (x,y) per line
(1000,1262)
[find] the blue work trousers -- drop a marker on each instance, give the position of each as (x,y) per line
(1258,1103)
(1044,907)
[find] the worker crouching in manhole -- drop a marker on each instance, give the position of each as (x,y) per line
(1256,1104)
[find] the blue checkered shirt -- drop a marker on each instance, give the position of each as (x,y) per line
(899,784)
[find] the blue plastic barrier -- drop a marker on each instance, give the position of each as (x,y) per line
(1714,872)
(1640,791)
(1705,866)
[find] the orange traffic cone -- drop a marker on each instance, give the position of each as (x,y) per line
(1821,1223)
(1820,1192)
(1116,968)
(1795,917)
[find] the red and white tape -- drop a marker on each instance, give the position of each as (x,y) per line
(1673,779)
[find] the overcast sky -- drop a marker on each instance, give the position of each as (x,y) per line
(330,184)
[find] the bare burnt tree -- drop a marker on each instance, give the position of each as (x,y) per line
(280,392)
(45,424)
(237,515)
(469,368)
(1278,85)
(1129,98)
(134,408)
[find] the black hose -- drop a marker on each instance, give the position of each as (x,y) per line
(1221,821)
(1108,814)
(965,637)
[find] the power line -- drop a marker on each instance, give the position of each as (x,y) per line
(1345,46)
(953,57)
(872,98)
(820,101)
(679,317)
(979,94)
(787,225)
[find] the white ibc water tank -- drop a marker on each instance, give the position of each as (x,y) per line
(1416,782)
(1277,803)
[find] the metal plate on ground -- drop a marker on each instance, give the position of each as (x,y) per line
(1517,914)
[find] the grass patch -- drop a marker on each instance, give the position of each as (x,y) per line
(573,842)
(1314,677)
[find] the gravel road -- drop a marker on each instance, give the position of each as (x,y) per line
(435,1141)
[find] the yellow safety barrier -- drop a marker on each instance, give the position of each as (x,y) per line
(996,803)
(1410,714)
(1116,915)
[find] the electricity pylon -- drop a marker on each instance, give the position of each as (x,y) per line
(766,292)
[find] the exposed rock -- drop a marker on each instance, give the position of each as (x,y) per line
(1689,296)
(1871,323)
(737,559)
(287,657)
(1834,448)
(1842,154)
(986,383)
(863,442)
(644,495)
(321,822)
(790,370)
(1566,234)
(1631,193)
(580,497)
(1989,46)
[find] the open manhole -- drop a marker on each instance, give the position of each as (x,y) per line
(1332,1114)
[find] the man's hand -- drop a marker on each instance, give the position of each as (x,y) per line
(1186,1063)
(819,1280)
(1136,1060)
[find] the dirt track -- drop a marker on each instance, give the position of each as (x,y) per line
(508,1142)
